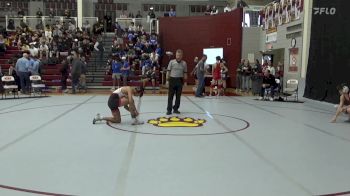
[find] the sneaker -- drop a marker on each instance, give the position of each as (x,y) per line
(97,118)
(261,98)
(176,111)
(168,113)
(271,99)
(137,122)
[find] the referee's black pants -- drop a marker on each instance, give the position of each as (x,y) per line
(175,88)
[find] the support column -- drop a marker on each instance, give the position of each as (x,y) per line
(80,13)
(306,36)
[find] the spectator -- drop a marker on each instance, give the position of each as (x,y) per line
(116,71)
(43,49)
(239,72)
(246,76)
(123,15)
(22,71)
(172,13)
(34,66)
(268,82)
(151,13)
(138,15)
(242,4)
(200,72)
(227,8)
(39,14)
(87,27)
(51,13)
(67,13)
(20,12)
(125,69)
(39,26)
(131,15)
(64,74)
(33,50)
(2,44)
(214,10)
(82,79)
(207,10)
(100,49)
(71,27)
(76,71)
(194,72)
(224,75)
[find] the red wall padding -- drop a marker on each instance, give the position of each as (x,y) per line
(192,34)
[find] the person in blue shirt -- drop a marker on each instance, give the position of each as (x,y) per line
(172,13)
(125,69)
(22,70)
(116,71)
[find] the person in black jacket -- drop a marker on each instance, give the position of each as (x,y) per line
(64,74)
(269,81)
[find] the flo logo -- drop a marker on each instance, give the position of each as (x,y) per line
(176,121)
(324,11)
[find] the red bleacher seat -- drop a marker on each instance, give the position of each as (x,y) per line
(50,83)
(5,66)
(51,77)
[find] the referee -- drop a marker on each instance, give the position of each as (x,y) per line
(176,75)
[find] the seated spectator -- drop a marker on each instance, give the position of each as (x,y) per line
(269,82)
(138,15)
(344,102)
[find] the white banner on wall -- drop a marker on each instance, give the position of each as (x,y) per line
(271,37)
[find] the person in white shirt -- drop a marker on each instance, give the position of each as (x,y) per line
(214,10)
(227,8)
(33,51)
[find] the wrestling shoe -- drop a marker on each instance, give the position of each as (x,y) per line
(97,118)
(137,122)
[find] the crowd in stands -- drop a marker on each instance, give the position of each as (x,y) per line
(134,53)
(49,45)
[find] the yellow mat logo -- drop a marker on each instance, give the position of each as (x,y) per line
(176,121)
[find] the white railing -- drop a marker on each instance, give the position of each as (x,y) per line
(149,25)
(33,21)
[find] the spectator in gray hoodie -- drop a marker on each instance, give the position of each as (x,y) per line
(77,65)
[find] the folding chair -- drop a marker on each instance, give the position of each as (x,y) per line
(291,89)
(37,84)
(9,86)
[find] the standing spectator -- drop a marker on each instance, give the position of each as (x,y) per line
(224,73)
(239,76)
(125,70)
(116,71)
(34,67)
(227,8)
(67,13)
(64,74)
(200,72)
(22,71)
(138,15)
(51,13)
(20,12)
(242,4)
(82,79)
(87,27)
(76,71)
(246,74)
(172,13)
(39,14)
(214,10)
(100,48)
(176,74)
(207,10)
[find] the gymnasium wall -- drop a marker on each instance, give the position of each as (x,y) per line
(192,34)
(329,62)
